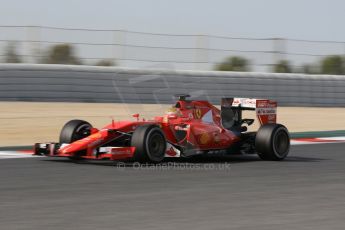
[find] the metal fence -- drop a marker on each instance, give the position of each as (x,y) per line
(170,51)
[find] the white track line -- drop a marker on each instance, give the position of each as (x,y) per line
(294,142)
(333,138)
(18,154)
(14,154)
(319,140)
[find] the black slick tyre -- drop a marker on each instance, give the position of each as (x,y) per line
(74,130)
(150,144)
(272,142)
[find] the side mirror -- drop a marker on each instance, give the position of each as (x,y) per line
(136,115)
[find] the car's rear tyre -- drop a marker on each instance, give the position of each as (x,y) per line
(272,142)
(75,130)
(150,144)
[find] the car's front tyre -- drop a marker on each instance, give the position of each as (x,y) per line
(149,142)
(72,131)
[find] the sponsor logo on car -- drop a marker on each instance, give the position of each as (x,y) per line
(197,113)
(204,138)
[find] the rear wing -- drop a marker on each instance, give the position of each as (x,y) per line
(266,110)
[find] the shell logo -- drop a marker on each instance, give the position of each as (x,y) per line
(204,138)
(171,152)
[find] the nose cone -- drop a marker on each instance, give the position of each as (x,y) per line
(83,144)
(73,147)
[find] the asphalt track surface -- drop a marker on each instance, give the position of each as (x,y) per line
(306,191)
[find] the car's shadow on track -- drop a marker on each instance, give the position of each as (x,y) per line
(200,160)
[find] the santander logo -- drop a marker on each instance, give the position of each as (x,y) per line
(171,152)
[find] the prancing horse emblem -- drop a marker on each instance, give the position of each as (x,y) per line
(198,113)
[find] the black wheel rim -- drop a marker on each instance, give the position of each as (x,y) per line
(82,132)
(156,145)
(281,143)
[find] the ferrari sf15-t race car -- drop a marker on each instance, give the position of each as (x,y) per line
(188,128)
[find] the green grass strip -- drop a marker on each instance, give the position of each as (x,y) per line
(315,134)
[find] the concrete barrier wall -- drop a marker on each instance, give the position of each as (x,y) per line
(24,82)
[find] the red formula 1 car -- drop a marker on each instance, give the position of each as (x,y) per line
(189,128)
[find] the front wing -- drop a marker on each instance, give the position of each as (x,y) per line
(111,153)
